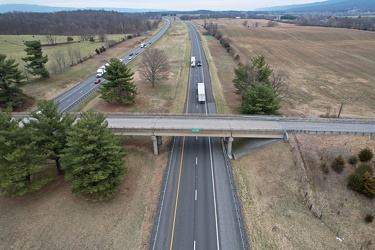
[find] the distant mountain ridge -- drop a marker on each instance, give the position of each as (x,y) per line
(327,6)
(4,8)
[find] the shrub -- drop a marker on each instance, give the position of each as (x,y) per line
(364,184)
(363,168)
(97,51)
(92,39)
(324,168)
(353,160)
(129,37)
(338,164)
(365,155)
(369,218)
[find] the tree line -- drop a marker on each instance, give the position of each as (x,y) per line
(81,23)
(90,156)
(360,23)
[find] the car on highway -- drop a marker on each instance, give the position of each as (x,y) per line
(131,54)
(130,58)
(199,63)
(98,80)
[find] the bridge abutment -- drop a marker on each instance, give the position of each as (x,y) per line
(229,146)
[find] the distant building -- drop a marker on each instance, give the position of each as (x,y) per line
(238,17)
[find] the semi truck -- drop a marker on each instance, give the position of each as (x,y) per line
(192,61)
(100,72)
(201,92)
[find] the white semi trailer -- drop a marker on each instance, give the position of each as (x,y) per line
(192,61)
(201,92)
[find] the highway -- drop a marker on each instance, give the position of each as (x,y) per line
(82,90)
(192,216)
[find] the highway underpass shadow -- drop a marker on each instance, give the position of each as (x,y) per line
(245,146)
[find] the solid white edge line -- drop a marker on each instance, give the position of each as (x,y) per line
(213,191)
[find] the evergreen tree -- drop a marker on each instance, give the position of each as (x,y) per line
(35,59)
(11,80)
(260,100)
(49,127)
(119,87)
(93,158)
(19,158)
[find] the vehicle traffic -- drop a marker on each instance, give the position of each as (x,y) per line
(192,61)
(199,63)
(201,92)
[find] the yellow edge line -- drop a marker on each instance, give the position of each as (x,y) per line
(178,190)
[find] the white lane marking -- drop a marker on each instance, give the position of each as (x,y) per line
(196,160)
(68,100)
(196,194)
(213,191)
(195,244)
(197,106)
(80,91)
(196,138)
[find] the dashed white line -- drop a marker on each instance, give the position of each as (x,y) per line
(196,160)
(68,100)
(196,194)
(195,244)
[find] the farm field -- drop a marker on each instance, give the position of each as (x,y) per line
(326,66)
(13,47)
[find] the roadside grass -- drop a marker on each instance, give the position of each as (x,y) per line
(326,66)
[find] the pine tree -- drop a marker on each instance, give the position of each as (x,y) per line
(93,158)
(260,100)
(49,127)
(119,87)
(20,158)
(35,59)
(11,80)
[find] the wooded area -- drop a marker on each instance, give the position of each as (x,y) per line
(81,22)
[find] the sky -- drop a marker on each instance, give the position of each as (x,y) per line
(180,5)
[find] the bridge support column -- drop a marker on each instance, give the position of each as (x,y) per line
(159,139)
(155,144)
(229,147)
(286,137)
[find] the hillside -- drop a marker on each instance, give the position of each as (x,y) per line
(327,6)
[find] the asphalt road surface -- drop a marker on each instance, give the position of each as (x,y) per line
(198,210)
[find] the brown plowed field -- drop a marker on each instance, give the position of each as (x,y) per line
(326,66)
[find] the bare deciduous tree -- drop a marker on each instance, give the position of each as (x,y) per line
(245,23)
(154,66)
(51,39)
(59,58)
(279,82)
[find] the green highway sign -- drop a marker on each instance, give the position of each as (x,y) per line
(195,130)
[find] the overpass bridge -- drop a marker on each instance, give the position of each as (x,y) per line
(195,125)
(227,126)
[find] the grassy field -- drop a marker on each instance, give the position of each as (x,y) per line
(13,47)
(326,66)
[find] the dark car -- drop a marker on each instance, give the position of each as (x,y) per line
(199,63)
(131,54)
(98,80)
